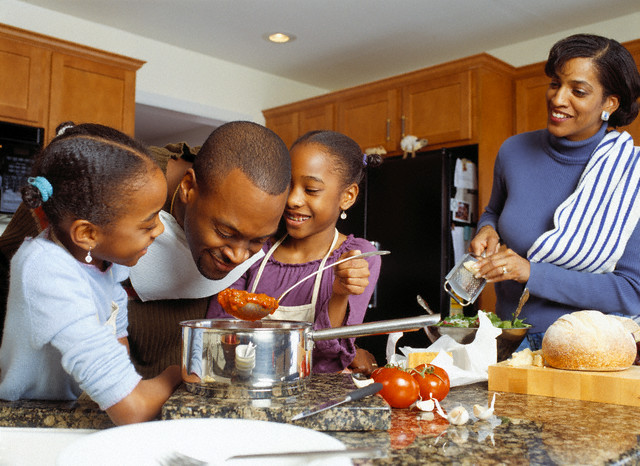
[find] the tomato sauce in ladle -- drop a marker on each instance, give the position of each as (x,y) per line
(244,305)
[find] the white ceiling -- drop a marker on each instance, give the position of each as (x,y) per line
(342,43)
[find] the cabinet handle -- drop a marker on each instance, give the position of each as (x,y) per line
(388,129)
(402,120)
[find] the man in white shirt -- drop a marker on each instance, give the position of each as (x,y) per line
(224,208)
(222,211)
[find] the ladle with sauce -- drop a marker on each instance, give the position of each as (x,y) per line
(245,305)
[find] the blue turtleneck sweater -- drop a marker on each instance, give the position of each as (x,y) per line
(534,173)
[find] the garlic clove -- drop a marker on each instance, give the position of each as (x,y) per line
(458,416)
(361,382)
(439,408)
(425,405)
(483,413)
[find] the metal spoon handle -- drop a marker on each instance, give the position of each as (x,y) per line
(364,254)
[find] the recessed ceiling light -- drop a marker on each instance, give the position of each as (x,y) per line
(279,37)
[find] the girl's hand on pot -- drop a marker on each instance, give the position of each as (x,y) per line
(504,265)
(486,241)
(351,277)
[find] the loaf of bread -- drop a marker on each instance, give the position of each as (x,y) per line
(588,341)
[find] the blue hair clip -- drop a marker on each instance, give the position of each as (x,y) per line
(364,159)
(43,185)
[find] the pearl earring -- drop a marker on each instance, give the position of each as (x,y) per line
(88,257)
(343,215)
(605,115)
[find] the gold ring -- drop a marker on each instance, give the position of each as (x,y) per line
(504,269)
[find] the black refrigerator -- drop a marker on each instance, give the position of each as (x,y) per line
(404,206)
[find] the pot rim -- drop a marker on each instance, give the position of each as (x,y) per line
(267,325)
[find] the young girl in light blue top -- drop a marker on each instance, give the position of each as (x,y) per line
(66,326)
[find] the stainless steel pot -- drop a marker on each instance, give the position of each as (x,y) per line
(264,359)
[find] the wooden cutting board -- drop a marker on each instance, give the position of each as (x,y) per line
(620,387)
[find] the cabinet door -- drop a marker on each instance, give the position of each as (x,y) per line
(371,119)
(439,109)
(284,125)
(24,82)
(317,118)
(84,90)
(531,103)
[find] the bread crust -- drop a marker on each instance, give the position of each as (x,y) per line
(588,341)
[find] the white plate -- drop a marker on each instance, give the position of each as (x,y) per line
(211,440)
(31,446)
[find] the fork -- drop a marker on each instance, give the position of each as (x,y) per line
(180,459)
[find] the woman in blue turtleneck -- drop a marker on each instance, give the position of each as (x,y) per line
(563,215)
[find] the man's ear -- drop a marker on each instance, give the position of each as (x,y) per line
(349,196)
(188,186)
(84,234)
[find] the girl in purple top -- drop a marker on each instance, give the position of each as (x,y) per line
(326,168)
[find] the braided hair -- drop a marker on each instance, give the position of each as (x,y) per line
(87,170)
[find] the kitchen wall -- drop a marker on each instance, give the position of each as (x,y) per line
(622,29)
(222,91)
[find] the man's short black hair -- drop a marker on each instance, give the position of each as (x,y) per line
(257,151)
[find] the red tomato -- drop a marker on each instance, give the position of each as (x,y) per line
(376,371)
(432,380)
(399,388)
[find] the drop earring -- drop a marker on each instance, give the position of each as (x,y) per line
(88,257)
(343,215)
(605,115)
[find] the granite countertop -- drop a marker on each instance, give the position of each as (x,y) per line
(526,429)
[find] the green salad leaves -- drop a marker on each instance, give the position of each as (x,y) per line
(474,322)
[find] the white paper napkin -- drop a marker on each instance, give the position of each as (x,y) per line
(467,363)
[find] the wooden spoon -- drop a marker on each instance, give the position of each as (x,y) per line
(523,299)
(244,305)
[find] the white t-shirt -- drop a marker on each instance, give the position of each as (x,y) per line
(167,270)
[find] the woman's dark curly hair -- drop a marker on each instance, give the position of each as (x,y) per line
(92,169)
(349,160)
(616,70)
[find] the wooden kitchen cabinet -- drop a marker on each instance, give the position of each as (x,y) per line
(317,118)
(438,109)
(90,91)
(24,81)
(45,81)
(371,119)
(531,103)
(290,123)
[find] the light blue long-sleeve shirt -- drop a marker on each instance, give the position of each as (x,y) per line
(534,173)
(55,342)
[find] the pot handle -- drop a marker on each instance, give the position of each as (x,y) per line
(375,328)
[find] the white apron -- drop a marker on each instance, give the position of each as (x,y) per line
(303,312)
